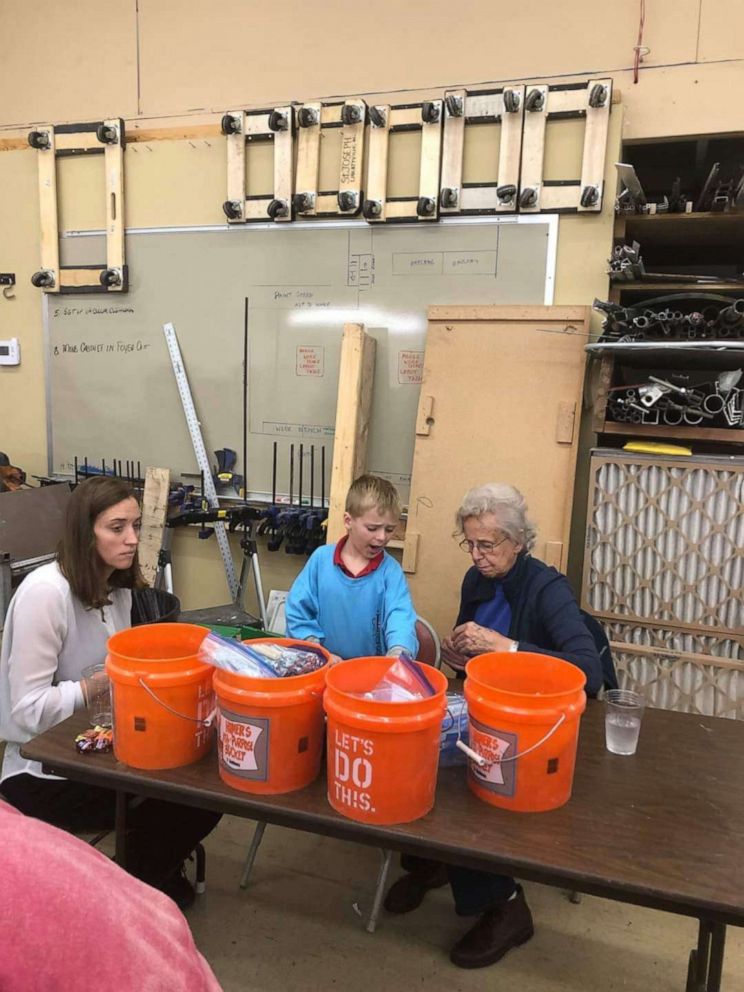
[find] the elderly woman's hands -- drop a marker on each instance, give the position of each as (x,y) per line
(470,639)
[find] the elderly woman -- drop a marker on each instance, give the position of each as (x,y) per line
(509,601)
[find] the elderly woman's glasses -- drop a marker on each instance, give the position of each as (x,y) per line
(483,547)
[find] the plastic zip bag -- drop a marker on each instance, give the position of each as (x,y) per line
(403,682)
(233,657)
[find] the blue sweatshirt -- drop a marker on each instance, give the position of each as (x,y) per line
(353,618)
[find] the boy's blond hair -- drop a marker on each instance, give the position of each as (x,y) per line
(370,492)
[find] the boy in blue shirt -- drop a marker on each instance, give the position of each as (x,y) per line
(353,597)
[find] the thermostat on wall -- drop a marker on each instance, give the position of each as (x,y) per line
(10,352)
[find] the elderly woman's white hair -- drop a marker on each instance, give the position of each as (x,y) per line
(508,506)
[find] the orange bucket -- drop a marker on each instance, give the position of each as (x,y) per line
(161,695)
(382,757)
(270,731)
(524,711)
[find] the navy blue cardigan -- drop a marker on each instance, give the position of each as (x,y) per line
(545,616)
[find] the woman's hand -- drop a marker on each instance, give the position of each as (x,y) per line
(452,656)
(470,639)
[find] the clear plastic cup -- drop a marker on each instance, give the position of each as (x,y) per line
(623,715)
(99,695)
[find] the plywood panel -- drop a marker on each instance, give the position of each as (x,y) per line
(498,382)
(67,61)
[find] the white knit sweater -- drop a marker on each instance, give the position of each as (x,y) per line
(49,638)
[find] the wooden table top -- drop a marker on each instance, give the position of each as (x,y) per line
(662,828)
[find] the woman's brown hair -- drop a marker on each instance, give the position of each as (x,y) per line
(78,559)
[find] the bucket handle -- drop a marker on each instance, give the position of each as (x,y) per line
(193,719)
(482,762)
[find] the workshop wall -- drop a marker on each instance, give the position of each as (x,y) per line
(175,64)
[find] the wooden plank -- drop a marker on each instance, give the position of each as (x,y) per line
(510,152)
(154,511)
(78,140)
(533,149)
(406,116)
(308,159)
(81,278)
(377,164)
(47,164)
(684,432)
(284,165)
(352,157)
(114,168)
(565,422)
(595,144)
(410,551)
(236,160)
(602,393)
(491,311)
(353,408)
(431,160)
(453,146)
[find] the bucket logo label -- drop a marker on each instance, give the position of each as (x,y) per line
(244,745)
(494,745)
(352,771)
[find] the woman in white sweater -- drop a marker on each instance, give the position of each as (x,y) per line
(59,622)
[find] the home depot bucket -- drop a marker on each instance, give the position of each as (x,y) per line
(270,731)
(524,711)
(382,757)
(162,695)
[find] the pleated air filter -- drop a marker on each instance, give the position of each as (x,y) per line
(663,572)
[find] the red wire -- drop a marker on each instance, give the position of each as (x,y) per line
(639,46)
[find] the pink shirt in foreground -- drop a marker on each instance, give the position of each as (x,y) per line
(71,919)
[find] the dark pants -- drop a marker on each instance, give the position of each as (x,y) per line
(160,835)
(474,891)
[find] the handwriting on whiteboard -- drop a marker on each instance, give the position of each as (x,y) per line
(100,348)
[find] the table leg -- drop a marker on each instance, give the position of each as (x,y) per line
(120,826)
(705,966)
(252,852)
(380,890)
(717,947)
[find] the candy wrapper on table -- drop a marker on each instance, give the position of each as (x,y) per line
(260,659)
(98,739)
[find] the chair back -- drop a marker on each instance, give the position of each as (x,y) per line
(602,643)
(429,647)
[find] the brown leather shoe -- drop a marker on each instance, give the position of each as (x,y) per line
(408,892)
(496,932)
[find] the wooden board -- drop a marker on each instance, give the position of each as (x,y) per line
(355,381)
(154,512)
(501,392)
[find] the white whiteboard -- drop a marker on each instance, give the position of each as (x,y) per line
(112,393)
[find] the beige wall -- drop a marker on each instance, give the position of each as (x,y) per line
(178,63)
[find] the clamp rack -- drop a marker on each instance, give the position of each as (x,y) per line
(105,138)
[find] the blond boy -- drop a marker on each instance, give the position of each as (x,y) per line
(352,597)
